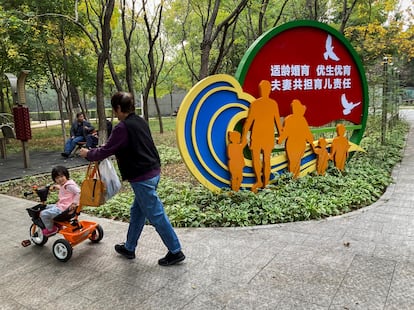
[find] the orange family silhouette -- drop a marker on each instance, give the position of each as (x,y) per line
(296,132)
(339,147)
(262,116)
(322,156)
(236,160)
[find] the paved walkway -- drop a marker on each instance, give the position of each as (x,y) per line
(12,167)
(362,260)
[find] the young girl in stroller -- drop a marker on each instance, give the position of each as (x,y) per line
(60,218)
(69,194)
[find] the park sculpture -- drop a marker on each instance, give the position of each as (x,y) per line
(289,109)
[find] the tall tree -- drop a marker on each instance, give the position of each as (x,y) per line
(211,26)
(129,13)
(347,9)
(153,30)
(98,15)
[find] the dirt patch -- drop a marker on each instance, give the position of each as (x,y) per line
(178,172)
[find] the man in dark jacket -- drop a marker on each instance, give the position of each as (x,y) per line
(139,163)
(78,131)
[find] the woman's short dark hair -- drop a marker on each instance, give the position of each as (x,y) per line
(59,171)
(124,100)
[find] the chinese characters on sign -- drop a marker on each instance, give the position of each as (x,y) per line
(297,77)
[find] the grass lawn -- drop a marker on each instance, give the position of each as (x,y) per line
(51,138)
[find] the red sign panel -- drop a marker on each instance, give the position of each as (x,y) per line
(310,64)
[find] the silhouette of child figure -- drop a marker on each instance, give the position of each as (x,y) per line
(296,132)
(262,116)
(236,159)
(339,148)
(322,156)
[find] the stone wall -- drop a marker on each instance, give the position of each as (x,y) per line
(168,104)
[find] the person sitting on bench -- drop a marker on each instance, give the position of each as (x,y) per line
(79,130)
(92,138)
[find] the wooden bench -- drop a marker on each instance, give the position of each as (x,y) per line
(8,133)
(78,146)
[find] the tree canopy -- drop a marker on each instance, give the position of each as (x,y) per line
(85,50)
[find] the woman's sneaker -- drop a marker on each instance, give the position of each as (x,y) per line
(171,259)
(49,232)
(121,249)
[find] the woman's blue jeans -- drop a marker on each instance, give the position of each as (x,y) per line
(147,205)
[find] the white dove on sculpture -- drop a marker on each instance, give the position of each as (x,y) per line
(329,49)
(348,106)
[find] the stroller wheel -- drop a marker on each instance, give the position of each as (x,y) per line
(37,236)
(62,250)
(97,234)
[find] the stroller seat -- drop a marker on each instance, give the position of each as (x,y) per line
(65,216)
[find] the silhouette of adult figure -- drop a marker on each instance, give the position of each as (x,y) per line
(339,147)
(263,114)
(296,132)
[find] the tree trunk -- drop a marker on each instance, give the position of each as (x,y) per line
(57,85)
(114,75)
(128,69)
(152,39)
(207,42)
(346,13)
(85,104)
(211,34)
(154,91)
(102,59)
(62,116)
(100,108)
(2,105)
(127,35)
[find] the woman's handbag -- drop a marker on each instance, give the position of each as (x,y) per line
(93,188)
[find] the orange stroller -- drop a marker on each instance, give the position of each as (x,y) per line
(74,231)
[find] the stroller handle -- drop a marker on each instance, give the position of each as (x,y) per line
(41,192)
